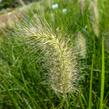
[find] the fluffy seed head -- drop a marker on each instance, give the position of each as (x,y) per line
(82,5)
(59,59)
(94,11)
(81,45)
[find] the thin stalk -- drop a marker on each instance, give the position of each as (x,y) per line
(102,77)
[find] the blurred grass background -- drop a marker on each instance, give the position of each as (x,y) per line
(22,83)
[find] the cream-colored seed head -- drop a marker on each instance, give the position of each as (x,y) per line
(81,45)
(94,12)
(59,59)
(82,5)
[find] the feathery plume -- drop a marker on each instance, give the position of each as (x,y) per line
(8,19)
(82,5)
(59,59)
(94,11)
(81,45)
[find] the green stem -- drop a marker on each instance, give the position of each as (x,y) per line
(102,77)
